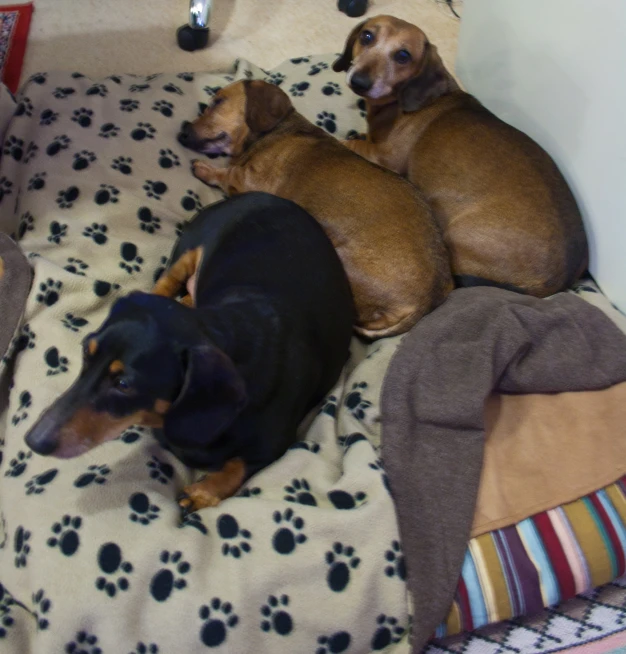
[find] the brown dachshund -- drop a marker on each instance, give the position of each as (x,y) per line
(381,227)
(507,214)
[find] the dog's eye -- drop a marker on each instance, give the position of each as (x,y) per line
(366,37)
(402,57)
(121,384)
(217,101)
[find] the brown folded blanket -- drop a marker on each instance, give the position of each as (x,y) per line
(480,341)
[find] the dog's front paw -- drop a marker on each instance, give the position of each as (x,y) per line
(197,496)
(206,173)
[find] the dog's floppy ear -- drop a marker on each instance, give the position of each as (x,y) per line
(432,81)
(345,59)
(266,106)
(212,396)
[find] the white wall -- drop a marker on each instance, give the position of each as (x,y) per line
(556,69)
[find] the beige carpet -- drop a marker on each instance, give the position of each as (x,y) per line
(101,37)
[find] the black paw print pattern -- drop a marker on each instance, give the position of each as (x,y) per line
(143,131)
(275,615)
(172,88)
(14,147)
(6,619)
(396,565)
(253,491)
(131,261)
(38,483)
(41,608)
(362,107)
(160,470)
(138,88)
(31,151)
(38,78)
(341,560)
(67,197)
(83,643)
(62,92)
(108,130)
(167,159)
(186,77)
(82,116)
(155,189)
(161,269)
(341,499)
(97,89)
(48,116)
(21,546)
(97,232)
(37,181)
(354,135)
(275,78)
(164,107)
(26,339)
(378,466)
(298,89)
(334,644)
(24,108)
(106,194)
(5,187)
(317,68)
(65,535)
(327,120)
(132,435)
(217,620)
(228,529)
(27,224)
(348,441)
(148,222)
(299,491)
(289,533)
(330,406)
(102,288)
(57,232)
(314,448)
(128,104)
(170,577)
(142,511)
(331,88)
(123,165)
(111,564)
(17,465)
(96,474)
(72,322)
(191,201)
(354,401)
(212,90)
(142,648)
(195,521)
(388,631)
(83,159)
(300,60)
(58,143)
(49,292)
(56,363)
(21,413)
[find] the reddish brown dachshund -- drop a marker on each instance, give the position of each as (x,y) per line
(507,214)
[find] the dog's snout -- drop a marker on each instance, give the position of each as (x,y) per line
(185,133)
(42,438)
(360,82)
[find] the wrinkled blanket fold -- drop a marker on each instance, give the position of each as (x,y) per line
(482,340)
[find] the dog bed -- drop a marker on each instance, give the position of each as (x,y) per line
(93,554)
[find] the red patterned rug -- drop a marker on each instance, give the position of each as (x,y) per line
(14,26)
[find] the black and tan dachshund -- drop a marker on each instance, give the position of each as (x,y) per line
(226,381)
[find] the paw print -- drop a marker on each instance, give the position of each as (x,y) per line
(164,107)
(62,92)
(330,406)
(97,89)
(55,362)
(37,181)
(355,403)
(5,187)
(331,88)
(343,500)
(160,470)
(167,159)
(102,288)
(72,322)
(378,465)
(191,201)
(139,88)
(27,224)
(82,159)
(26,339)
(300,60)
(334,644)
(108,130)
(131,260)
(132,435)
(49,292)
(76,266)
(142,648)
(327,121)
(186,77)
(172,88)
(77,75)
(149,78)
(67,197)
(122,164)
(143,131)
(82,116)
(126,104)
(348,441)
(255,491)
(161,269)
(165,581)
(228,529)
(314,448)
(41,606)
(299,491)
(14,147)
(47,117)
(66,536)
(36,485)
(154,189)
(38,78)
(21,413)
(387,632)
(218,618)
(288,536)
(96,474)
(317,68)
(298,89)
(194,520)
(396,561)
(212,90)
(31,151)
(275,616)
(57,232)
(354,135)
(58,143)
(21,546)
(106,194)
(141,510)
(24,108)
(84,643)
(97,233)
(111,563)
(275,78)
(115,78)
(148,222)
(362,107)
(17,466)
(341,560)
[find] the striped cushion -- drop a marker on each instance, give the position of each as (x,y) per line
(541,561)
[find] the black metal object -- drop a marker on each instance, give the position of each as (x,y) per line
(352,8)
(195,34)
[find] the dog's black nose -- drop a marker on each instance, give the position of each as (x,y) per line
(185,133)
(42,438)
(360,82)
